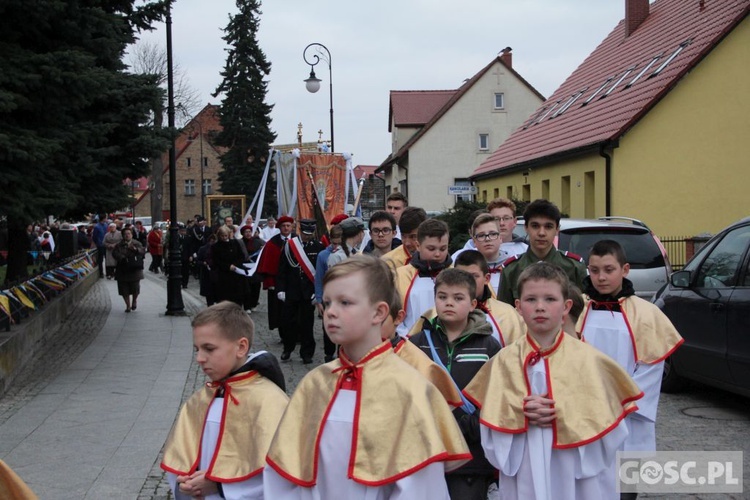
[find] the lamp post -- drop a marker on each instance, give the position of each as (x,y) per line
(312,83)
(175,306)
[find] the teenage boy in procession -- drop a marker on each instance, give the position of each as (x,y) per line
(504,211)
(410,220)
(395,205)
(552,407)
(382,227)
(485,233)
(295,287)
(460,340)
(542,220)
(218,444)
(416,280)
(366,425)
(630,330)
(507,324)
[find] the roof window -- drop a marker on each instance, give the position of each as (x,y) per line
(670,58)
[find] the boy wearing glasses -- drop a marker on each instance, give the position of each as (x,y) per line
(505,211)
(382,226)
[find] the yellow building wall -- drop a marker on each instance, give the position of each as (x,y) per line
(684,168)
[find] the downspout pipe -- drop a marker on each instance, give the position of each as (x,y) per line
(604,153)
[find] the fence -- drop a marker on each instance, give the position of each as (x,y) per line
(680,249)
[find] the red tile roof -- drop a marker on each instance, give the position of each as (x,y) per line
(699,25)
(415,107)
(365,170)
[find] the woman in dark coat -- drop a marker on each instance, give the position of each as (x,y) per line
(128,277)
(207,274)
(228,255)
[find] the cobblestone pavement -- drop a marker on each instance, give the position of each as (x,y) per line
(699,418)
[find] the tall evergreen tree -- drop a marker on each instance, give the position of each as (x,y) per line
(72,121)
(244,115)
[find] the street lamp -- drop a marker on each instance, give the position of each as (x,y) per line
(175,306)
(313,83)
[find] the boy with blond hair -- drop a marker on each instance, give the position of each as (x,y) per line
(218,444)
(365,425)
(552,407)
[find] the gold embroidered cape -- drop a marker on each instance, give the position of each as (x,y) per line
(591,392)
(401,422)
(430,370)
(653,336)
(253,406)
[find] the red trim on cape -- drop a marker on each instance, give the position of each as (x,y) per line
(408,291)
(441,457)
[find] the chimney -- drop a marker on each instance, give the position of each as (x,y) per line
(636,11)
(507,57)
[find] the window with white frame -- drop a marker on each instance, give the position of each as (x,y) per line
(484,142)
(207,186)
(189,187)
(499,102)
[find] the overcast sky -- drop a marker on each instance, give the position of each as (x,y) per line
(385,45)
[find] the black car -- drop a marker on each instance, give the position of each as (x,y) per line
(709,304)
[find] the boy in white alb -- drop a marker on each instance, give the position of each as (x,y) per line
(366,425)
(630,330)
(218,444)
(416,280)
(552,407)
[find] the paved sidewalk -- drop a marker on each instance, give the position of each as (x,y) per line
(96,429)
(89,419)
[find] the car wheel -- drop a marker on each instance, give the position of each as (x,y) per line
(671,381)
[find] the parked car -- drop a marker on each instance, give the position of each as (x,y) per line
(709,303)
(649,263)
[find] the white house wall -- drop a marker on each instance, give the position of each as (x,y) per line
(450,148)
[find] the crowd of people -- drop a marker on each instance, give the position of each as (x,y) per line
(507,369)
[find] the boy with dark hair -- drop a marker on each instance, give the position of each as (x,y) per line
(504,210)
(507,325)
(219,441)
(542,220)
(633,332)
(395,205)
(414,356)
(382,227)
(548,444)
(410,220)
(460,340)
(365,425)
(415,281)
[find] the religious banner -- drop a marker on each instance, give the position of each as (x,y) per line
(323,175)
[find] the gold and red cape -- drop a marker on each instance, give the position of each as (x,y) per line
(430,370)
(401,422)
(592,392)
(653,336)
(253,407)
